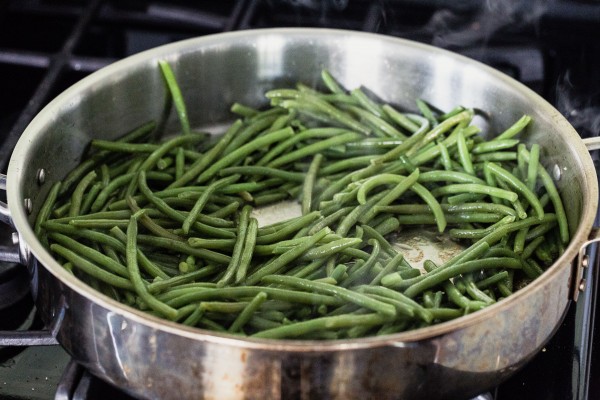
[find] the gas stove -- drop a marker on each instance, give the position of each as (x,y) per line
(45,46)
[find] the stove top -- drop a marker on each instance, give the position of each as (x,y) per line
(45,46)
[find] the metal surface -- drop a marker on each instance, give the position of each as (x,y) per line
(27,338)
(152,358)
(579,282)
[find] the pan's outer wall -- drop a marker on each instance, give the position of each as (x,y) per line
(156,359)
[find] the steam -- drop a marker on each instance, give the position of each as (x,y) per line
(577,106)
(474,24)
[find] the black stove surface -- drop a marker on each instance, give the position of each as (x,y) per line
(45,46)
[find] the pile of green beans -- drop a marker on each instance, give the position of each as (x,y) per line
(168,225)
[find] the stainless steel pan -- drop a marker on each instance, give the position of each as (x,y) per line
(152,358)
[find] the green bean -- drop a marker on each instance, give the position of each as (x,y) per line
(391,196)
(202,163)
(90,197)
(391,265)
(494,146)
(554,198)
(475,188)
(329,220)
(309,183)
(248,311)
(515,129)
(419,219)
(243,110)
(353,216)
(539,230)
(288,228)
(249,249)
(496,156)
(275,265)
(455,296)
(441,128)
(324,288)
(174,214)
(179,163)
(477,294)
(171,244)
(194,318)
(165,284)
(213,244)
(366,103)
(145,262)
(451,208)
(134,273)
(119,147)
(264,171)
(243,151)
(319,324)
(314,148)
(362,272)
(149,223)
(519,186)
(479,233)
(77,196)
(226,210)
(471,253)
(91,254)
(463,154)
(376,122)
(419,310)
(180,297)
(238,247)
(203,199)
(388,225)
(449,176)
(433,204)
(330,82)
(531,246)
(492,280)
(331,248)
(403,148)
(46,208)
(532,168)
(519,241)
(314,103)
(426,111)
(115,184)
(440,275)
(85,166)
(258,124)
(91,268)
(171,82)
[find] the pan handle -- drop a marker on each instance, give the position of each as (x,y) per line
(4,212)
(592,143)
(578,282)
(17,253)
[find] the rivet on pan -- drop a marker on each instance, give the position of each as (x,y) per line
(582,285)
(15,238)
(28,205)
(41,176)
(585,261)
(556,172)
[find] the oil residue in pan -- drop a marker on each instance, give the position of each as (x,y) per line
(420,244)
(415,244)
